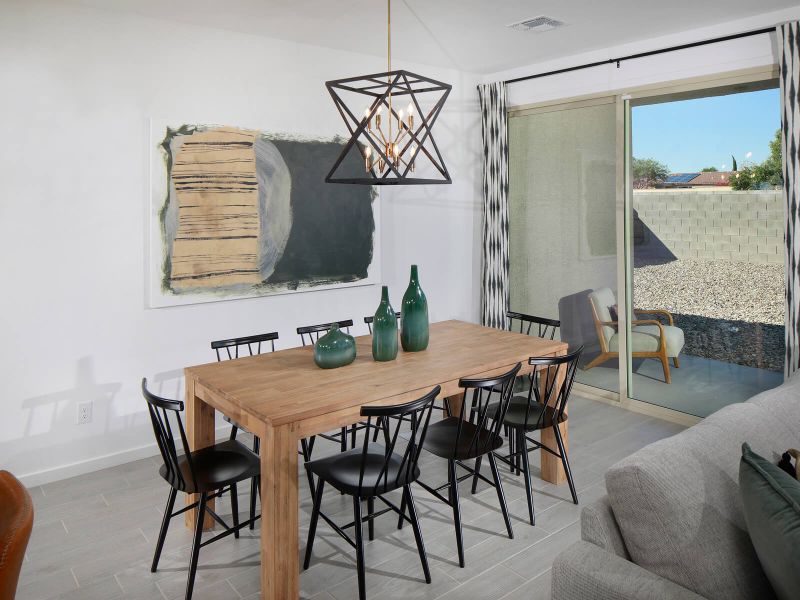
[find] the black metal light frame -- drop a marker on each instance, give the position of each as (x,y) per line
(381,88)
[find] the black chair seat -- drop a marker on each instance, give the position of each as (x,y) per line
(517,416)
(215,467)
(443,434)
(343,471)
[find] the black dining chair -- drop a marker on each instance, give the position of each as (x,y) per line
(372,472)
(532,325)
(206,472)
(309,335)
(231,349)
(469,435)
(528,325)
(544,407)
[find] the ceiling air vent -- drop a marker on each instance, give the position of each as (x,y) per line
(536,24)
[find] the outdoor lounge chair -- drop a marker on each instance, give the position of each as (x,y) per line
(649,338)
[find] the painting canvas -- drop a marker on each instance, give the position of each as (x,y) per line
(238,212)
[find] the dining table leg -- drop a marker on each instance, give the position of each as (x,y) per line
(199,434)
(552,469)
(280,566)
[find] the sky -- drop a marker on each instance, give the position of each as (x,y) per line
(692,134)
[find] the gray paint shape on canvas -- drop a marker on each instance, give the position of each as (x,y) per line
(274,204)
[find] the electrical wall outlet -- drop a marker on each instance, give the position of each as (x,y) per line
(84,413)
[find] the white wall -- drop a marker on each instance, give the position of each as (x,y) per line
(78,86)
(708,60)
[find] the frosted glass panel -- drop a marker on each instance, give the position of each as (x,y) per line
(562,194)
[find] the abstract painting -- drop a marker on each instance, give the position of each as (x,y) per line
(237,213)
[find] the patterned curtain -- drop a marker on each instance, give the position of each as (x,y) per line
(494,297)
(789,36)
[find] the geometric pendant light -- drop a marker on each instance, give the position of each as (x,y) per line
(391,128)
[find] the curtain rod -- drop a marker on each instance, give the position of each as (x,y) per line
(611,61)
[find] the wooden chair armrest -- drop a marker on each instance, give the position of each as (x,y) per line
(656,311)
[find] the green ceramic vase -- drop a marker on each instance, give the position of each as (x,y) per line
(414,325)
(384,330)
(334,349)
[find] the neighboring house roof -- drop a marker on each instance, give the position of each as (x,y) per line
(712,178)
(709,178)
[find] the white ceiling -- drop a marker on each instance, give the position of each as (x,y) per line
(470,35)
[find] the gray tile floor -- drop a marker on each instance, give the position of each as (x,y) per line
(94,535)
(700,386)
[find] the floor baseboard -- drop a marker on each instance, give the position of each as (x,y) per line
(97,463)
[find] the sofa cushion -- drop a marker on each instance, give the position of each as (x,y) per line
(678,507)
(771,502)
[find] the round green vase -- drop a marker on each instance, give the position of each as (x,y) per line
(414,327)
(384,330)
(334,349)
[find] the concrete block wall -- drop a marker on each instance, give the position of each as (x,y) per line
(709,225)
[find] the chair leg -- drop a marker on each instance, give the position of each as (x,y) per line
(565,461)
(343,439)
(511,450)
(676,362)
(198,534)
(254,486)
(665,365)
(353,433)
(498,485)
(371,522)
(452,478)
(253,496)
(402,512)
(362,593)
(378,427)
(526,471)
(235,509)
(234,429)
(475,476)
(162,535)
(312,528)
(412,513)
(306,447)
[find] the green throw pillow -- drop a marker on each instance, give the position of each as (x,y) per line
(771,501)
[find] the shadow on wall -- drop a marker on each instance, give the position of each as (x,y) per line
(577,325)
(51,428)
(647,245)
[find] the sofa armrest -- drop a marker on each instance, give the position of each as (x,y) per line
(599,527)
(587,572)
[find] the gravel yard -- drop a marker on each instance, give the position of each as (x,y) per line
(728,311)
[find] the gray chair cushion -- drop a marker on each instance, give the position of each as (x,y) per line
(646,338)
(771,501)
(677,502)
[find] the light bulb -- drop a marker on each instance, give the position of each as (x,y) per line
(410,109)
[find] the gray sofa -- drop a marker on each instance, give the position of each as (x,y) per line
(671,524)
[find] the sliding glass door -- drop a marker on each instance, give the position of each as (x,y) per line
(651,226)
(706,247)
(562,226)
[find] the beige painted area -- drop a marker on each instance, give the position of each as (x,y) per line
(216,243)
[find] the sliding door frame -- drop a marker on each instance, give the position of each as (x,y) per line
(624,98)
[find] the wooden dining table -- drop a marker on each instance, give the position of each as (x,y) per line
(283,397)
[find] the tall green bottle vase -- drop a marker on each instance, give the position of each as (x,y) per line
(414,327)
(384,330)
